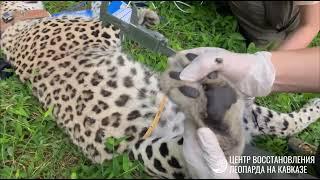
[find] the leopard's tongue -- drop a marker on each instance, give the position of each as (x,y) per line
(219,100)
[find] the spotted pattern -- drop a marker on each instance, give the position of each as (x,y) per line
(76,66)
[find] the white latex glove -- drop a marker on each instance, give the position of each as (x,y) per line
(203,154)
(252,74)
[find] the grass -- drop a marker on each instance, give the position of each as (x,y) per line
(32,146)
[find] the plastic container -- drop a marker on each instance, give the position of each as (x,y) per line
(118,9)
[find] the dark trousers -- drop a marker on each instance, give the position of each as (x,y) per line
(266,23)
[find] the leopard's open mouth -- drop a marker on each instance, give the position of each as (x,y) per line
(219,100)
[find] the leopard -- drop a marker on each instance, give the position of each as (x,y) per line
(96,90)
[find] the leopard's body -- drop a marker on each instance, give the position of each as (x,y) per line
(96,91)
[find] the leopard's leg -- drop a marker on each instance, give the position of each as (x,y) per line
(261,120)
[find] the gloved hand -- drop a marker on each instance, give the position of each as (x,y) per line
(203,154)
(252,74)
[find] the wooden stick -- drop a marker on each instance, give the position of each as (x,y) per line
(156,118)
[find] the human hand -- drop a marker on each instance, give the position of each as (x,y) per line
(251,74)
(203,154)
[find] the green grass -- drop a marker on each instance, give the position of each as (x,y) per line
(32,146)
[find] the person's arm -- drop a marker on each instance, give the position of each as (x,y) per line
(297,70)
(308,28)
(260,73)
